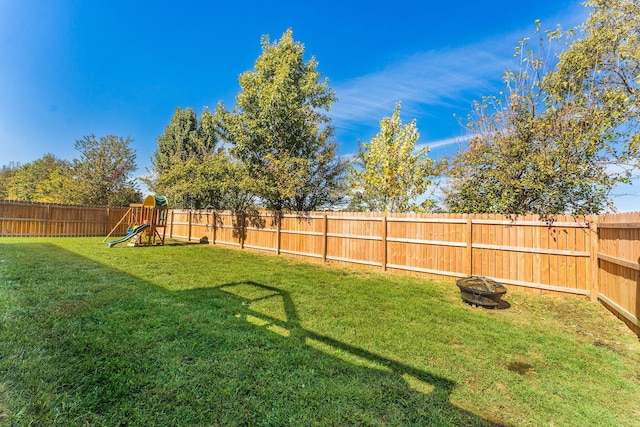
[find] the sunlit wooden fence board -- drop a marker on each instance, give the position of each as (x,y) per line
(227,229)
(534,254)
(301,235)
(199,226)
(261,231)
(52,220)
(355,238)
(178,224)
(429,244)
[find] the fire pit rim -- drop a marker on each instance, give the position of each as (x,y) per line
(488,297)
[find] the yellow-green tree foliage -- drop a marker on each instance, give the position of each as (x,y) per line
(565,133)
(48,179)
(193,170)
(102,175)
(388,175)
(7,172)
(600,74)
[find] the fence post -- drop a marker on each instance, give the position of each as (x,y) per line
(171,225)
(47,222)
(242,229)
(594,240)
(325,243)
(189,227)
(469,242)
(383,233)
(106,222)
(214,227)
(278,229)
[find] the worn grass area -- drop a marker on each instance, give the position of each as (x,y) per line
(202,335)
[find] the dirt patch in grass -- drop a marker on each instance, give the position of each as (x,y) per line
(520,367)
(616,347)
(589,322)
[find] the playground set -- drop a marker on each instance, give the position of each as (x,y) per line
(146,223)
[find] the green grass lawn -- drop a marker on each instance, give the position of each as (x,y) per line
(204,335)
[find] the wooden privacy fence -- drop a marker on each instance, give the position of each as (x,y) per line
(619,266)
(599,258)
(52,220)
(526,253)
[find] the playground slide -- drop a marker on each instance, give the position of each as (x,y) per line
(139,229)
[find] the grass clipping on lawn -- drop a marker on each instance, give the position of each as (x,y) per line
(203,335)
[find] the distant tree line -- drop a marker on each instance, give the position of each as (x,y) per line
(560,137)
(101,175)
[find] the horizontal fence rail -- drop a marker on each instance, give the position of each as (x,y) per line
(598,257)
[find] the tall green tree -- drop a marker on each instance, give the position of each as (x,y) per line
(185,137)
(388,174)
(549,145)
(280,133)
(103,172)
(186,159)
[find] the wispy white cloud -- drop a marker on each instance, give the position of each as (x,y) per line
(442,143)
(429,82)
(435,79)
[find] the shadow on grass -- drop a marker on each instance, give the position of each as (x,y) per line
(82,343)
(437,390)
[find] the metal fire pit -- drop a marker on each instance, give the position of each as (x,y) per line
(478,290)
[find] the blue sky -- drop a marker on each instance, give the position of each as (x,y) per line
(72,68)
